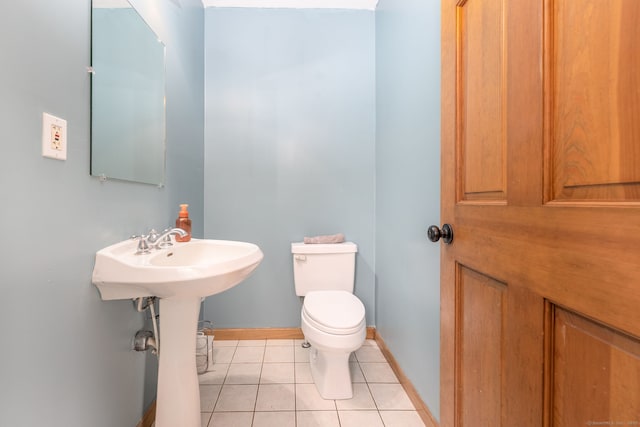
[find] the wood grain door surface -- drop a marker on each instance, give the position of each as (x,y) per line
(540,289)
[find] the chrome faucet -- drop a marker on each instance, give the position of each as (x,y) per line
(158,240)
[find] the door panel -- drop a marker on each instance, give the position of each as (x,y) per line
(480,365)
(593,363)
(481,137)
(594,106)
(499,328)
(540,289)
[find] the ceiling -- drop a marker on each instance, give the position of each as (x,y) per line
(270,4)
(295,4)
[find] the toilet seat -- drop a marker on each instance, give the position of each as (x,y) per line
(334,312)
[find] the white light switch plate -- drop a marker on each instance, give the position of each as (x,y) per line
(54,137)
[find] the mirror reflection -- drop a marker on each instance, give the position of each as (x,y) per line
(127,95)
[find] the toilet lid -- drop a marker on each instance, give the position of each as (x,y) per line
(337,312)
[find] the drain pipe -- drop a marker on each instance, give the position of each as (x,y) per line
(145,340)
(154,321)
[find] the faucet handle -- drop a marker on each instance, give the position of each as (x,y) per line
(153,235)
(143,246)
(166,240)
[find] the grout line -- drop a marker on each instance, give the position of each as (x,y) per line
(255,404)
(295,387)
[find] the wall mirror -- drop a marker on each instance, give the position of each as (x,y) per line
(127,95)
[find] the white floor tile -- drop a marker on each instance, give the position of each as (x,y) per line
(276,397)
(372,343)
(378,372)
(401,419)
(317,419)
(274,419)
(369,354)
(303,373)
(300,354)
(208,396)
(224,343)
(237,398)
(277,373)
(252,343)
(278,354)
(308,399)
(215,375)
(248,355)
(204,418)
(390,397)
(231,419)
(360,419)
(361,399)
(280,342)
(223,354)
(243,373)
(356,373)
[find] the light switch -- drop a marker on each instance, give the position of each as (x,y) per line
(54,137)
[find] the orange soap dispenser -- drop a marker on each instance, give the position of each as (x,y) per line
(184,223)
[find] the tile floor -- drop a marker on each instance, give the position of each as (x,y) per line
(265,383)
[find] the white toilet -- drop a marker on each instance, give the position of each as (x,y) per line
(333,320)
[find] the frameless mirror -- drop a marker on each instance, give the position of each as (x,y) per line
(127,95)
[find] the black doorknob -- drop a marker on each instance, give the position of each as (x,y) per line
(434,233)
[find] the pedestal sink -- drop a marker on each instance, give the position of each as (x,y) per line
(180,276)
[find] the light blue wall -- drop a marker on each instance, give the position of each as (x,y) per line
(408,188)
(290,134)
(66,358)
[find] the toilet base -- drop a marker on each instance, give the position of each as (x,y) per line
(331,373)
(329,356)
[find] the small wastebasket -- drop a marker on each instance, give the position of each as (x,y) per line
(204,347)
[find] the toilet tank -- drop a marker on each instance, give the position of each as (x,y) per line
(319,267)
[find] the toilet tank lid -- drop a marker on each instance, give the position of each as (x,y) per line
(323,248)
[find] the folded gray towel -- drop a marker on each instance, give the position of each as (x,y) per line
(334,238)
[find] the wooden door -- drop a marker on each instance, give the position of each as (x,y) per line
(540,290)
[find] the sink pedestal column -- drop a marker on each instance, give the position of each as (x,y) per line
(178,401)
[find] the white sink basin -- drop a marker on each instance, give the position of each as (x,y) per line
(198,268)
(180,276)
